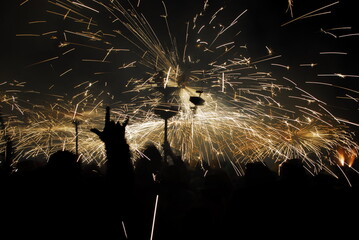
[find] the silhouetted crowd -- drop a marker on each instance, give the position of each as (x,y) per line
(156,199)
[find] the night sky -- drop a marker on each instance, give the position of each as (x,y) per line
(298,43)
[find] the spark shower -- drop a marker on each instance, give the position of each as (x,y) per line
(116,53)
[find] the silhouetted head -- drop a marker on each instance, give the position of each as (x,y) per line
(258,172)
(292,169)
(217,184)
(154,156)
(64,161)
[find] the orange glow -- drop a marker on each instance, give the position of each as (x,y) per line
(341,158)
(346,157)
(351,157)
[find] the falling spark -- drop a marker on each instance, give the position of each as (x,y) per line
(309,14)
(351,97)
(27,35)
(35,22)
(85,6)
(62,74)
(280,65)
(337,75)
(124,229)
(290,7)
(68,51)
(337,53)
(43,61)
(308,64)
(332,85)
(349,35)
(49,33)
(154,217)
(24,2)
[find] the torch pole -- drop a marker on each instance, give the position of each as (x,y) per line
(76,123)
(165,141)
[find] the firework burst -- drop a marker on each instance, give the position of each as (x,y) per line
(246,114)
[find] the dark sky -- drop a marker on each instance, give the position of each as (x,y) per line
(299,42)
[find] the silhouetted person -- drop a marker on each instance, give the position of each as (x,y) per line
(119,167)
(6,164)
(64,166)
(148,167)
(119,175)
(258,175)
(253,205)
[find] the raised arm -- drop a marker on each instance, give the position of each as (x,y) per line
(119,163)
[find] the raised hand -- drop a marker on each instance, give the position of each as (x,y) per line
(113,132)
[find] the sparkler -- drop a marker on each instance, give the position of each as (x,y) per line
(247,115)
